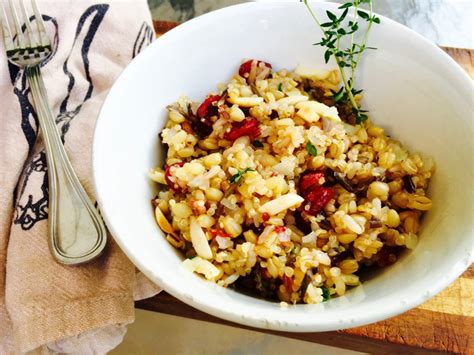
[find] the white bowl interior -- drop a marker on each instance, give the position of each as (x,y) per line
(411,88)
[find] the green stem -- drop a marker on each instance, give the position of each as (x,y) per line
(366,36)
(347,87)
(315,18)
(353,65)
(344,78)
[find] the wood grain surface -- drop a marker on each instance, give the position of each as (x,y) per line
(443,324)
(464,57)
(416,331)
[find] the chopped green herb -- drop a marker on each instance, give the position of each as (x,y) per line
(236,178)
(326,294)
(257,144)
(311,149)
(192,257)
(295,251)
(279,86)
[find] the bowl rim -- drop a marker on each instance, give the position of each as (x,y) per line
(200,303)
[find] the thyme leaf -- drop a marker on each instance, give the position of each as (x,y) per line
(257,144)
(311,149)
(236,177)
(326,294)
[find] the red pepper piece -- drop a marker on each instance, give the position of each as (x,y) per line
(310,179)
(218,233)
(173,186)
(265,216)
(248,127)
(316,199)
(247,66)
(207,108)
(288,283)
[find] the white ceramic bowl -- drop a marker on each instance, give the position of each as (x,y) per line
(414,90)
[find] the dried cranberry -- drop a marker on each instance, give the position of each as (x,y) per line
(187,127)
(265,216)
(266,274)
(310,179)
(247,66)
(280,229)
(288,283)
(317,198)
(218,233)
(388,255)
(207,108)
(173,185)
(248,127)
(202,125)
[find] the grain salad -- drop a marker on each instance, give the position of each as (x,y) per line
(272,188)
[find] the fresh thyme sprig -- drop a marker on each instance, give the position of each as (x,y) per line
(334,31)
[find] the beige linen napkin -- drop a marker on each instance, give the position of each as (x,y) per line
(81,309)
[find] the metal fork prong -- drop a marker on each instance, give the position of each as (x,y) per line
(19,34)
(7,35)
(43,36)
(29,33)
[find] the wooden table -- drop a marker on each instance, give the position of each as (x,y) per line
(443,324)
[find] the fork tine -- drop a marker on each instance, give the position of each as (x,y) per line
(26,20)
(19,34)
(7,35)
(43,36)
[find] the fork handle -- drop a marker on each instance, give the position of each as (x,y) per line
(77,233)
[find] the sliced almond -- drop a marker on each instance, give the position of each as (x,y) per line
(281,203)
(199,240)
(308,114)
(163,222)
(352,225)
(292,100)
(246,101)
(285,122)
(312,73)
(323,258)
(201,266)
(157,175)
(321,109)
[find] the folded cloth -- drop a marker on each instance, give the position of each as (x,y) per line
(80,309)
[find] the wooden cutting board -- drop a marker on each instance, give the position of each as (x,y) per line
(443,324)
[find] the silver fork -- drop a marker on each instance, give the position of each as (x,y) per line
(76,231)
